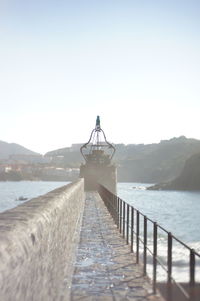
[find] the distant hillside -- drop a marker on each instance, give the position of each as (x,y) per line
(58,152)
(66,157)
(155,163)
(189,178)
(8,149)
(150,163)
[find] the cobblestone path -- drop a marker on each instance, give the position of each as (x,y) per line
(105,269)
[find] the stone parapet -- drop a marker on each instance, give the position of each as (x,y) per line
(37,245)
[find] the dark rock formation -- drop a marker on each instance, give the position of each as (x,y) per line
(189,179)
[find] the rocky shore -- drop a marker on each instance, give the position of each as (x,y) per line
(189,179)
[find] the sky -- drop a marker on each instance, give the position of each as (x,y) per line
(134,63)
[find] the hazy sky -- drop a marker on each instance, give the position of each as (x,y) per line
(134,63)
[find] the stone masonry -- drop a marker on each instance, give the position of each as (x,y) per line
(37,245)
(105,269)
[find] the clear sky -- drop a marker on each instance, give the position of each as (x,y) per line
(134,63)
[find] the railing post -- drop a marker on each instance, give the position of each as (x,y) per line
(118,212)
(192,267)
(132,227)
(127,225)
(123,219)
(192,273)
(111,205)
(112,197)
(138,233)
(154,256)
(169,267)
(145,247)
(115,210)
(120,217)
(169,259)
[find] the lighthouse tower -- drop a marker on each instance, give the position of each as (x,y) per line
(98,167)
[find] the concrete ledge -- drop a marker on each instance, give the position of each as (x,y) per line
(37,243)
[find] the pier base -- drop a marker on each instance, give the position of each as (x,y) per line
(105,175)
(105,269)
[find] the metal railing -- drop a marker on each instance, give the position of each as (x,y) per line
(134,225)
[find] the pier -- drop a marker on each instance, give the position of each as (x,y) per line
(105,269)
(65,246)
(74,245)
(82,242)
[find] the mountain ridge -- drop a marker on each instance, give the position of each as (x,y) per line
(155,163)
(146,163)
(7,149)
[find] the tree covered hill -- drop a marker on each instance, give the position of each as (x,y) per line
(66,157)
(155,163)
(8,149)
(151,163)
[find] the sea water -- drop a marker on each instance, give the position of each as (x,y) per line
(177,211)
(10,192)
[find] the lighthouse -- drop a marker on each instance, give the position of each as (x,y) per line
(98,167)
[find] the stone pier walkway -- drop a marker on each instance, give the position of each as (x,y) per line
(105,269)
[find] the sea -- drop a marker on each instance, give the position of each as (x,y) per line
(11,192)
(176,211)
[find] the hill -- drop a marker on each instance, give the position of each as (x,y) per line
(66,157)
(155,163)
(150,163)
(8,149)
(189,178)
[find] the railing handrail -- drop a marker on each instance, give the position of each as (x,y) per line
(122,212)
(166,231)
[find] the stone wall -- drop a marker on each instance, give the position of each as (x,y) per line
(95,174)
(37,244)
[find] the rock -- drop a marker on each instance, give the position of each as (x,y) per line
(189,178)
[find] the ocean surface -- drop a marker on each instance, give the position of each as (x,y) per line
(176,211)
(10,192)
